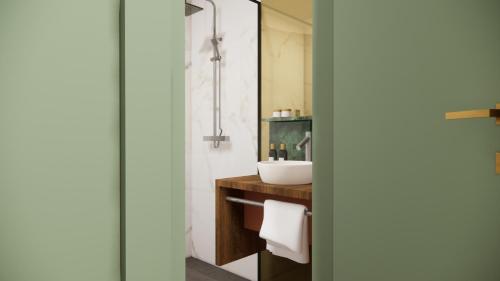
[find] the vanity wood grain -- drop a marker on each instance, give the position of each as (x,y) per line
(234,239)
(254,183)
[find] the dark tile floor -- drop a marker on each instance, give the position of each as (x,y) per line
(197,270)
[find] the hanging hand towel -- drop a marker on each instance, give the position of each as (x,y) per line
(285,230)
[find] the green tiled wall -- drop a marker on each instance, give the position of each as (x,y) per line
(289,133)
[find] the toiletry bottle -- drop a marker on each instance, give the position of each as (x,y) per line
(283,154)
(273,155)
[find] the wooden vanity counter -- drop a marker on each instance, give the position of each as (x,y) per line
(237,225)
(255,184)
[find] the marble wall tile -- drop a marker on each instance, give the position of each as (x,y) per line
(187,59)
(238,25)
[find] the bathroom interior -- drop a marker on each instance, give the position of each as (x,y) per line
(114,164)
(248,83)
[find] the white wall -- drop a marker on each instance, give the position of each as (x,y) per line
(187,58)
(238,24)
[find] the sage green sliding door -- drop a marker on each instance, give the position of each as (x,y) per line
(154,139)
(414,197)
(59,140)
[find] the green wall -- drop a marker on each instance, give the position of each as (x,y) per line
(154,139)
(414,197)
(59,136)
(323,141)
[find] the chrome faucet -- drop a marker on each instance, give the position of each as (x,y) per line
(307,142)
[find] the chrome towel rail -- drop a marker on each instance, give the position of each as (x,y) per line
(255,203)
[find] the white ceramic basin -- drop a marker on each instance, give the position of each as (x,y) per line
(285,172)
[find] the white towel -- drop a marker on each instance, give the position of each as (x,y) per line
(285,230)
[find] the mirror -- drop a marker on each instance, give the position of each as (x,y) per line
(286,74)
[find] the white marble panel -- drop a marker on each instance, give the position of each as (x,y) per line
(238,25)
(187,59)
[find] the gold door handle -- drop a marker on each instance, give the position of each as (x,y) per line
(476,113)
(479,113)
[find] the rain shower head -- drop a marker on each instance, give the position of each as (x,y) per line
(191,9)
